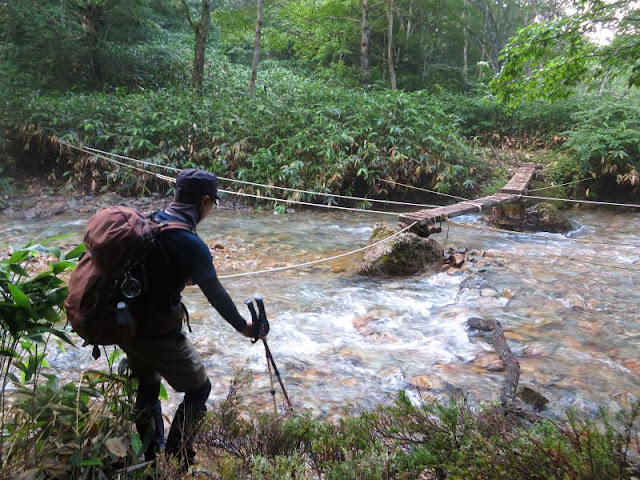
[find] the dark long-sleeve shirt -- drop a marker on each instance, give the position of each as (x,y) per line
(185,257)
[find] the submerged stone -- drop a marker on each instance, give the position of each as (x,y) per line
(532,398)
(544,217)
(405,254)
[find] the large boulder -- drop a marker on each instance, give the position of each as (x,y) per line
(544,217)
(405,254)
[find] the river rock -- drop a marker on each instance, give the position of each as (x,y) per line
(405,254)
(544,217)
(58,208)
(427,382)
(32,213)
(574,302)
(532,398)
(361,323)
(489,292)
(633,366)
(489,361)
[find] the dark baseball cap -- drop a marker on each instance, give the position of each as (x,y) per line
(194,181)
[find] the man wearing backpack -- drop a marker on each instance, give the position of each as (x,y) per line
(159,349)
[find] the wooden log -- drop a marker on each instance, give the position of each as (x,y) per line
(434,215)
(512,191)
(512,374)
(518,183)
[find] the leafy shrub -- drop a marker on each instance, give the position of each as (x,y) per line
(49,430)
(532,125)
(605,139)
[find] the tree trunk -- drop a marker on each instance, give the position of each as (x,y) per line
(534,12)
(202,33)
(409,20)
(90,17)
(465,49)
(491,29)
(512,374)
(390,58)
(256,52)
(364,45)
(605,79)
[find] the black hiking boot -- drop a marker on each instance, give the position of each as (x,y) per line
(150,427)
(184,428)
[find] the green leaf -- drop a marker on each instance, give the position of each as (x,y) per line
(59,267)
(163,392)
(19,297)
(76,252)
(19,270)
(136,444)
(18,256)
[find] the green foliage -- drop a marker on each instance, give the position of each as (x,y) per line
(237,21)
(534,124)
(324,139)
(325,37)
(51,430)
(566,58)
(31,300)
(71,430)
(606,139)
(547,60)
(88,42)
(405,440)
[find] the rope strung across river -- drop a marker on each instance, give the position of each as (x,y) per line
(107,156)
(104,155)
(404,185)
(323,260)
(560,185)
(589,202)
(273,270)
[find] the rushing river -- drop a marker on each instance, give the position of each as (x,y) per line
(568,304)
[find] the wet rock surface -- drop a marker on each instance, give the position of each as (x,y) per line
(405,254)
(544,217)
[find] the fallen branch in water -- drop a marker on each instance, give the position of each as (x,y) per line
(512,375)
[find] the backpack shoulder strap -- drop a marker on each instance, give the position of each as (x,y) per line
(165,226)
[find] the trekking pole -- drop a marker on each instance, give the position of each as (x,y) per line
(261,327)
(256,335)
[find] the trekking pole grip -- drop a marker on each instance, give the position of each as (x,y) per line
(254,320)
(262,317)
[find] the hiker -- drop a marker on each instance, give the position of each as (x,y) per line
(159,348)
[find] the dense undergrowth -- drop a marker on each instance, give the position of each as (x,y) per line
(406,440)
(300,133)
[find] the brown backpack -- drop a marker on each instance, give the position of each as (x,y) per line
(110,275)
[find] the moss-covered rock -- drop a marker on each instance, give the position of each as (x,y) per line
(544,217)
(405,254)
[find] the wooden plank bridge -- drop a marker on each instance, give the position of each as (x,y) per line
(427,220)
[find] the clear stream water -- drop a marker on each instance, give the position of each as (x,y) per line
(569,306)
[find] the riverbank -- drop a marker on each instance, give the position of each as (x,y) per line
(32,198)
